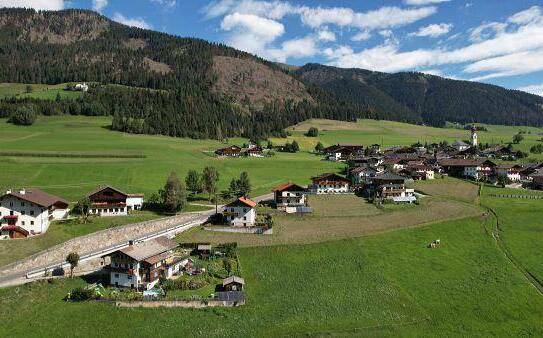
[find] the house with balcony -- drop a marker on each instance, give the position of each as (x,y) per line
(289,197)
(330,184)
(390,186)
(240,213)
(29,212)
(109,201)
(141,265)
(474,168)
(511,171)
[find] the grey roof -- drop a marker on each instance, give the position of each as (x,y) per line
(204,247)
(37,196)
(389,176)
(150,248)
(460,143)
(233,279)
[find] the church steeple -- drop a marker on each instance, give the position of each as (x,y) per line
(474,141)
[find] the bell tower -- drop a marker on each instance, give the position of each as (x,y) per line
(474,141)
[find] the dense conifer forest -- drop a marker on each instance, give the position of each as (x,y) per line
(155,83)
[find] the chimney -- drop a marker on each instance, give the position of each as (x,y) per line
(8,191)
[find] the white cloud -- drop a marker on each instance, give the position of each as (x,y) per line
(53,5)
(251,33)
(326,35)
(361,36)
(433,30)
(384,17)
(99,5)
(165,3)
(423,2)
(534,89)
(269,9)
(487,31)
(295,48)
(532,14)
(515,50)
(133,22)
(436,72)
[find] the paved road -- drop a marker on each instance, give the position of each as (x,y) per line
(95,245)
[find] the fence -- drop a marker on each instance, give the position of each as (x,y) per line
(530,197)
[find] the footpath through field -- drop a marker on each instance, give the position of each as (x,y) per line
(97,244)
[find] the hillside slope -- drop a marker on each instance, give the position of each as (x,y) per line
(431,99)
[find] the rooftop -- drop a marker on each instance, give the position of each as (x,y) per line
(36,196)
(150,248)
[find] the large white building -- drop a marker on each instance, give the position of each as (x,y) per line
(28,212)
(240,213)
(330,184)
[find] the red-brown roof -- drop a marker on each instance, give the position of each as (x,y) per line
(15,228)
(330,178)
(37,196)
(248,202)
(287,186)
(464,162)
(101,187)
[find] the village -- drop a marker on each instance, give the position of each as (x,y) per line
(160,268)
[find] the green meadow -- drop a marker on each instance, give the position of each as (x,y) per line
(349,269)
(39,91)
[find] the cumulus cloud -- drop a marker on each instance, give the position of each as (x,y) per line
(295,48)
(423,2)
(326,35)
(99,5)
(53,5)
(165,3)
(515,50)
(433,30)
(133,22)
(252,33)
(361,36)
(534,89)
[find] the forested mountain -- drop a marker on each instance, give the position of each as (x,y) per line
(152,82)
(427,98)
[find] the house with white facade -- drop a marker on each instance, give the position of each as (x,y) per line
(109,201)
(511,171)
(330,184)
(362,175)
(141,265)
(289,197)
(29,212)
(240,213)
(477,169)
(460,145)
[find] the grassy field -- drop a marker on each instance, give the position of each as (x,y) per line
(337,217)
(39,91)
(450,188)
(72,177)
(388,284)
(388,133)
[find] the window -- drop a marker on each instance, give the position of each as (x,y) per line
(31,222)
(10,204)
(23,222)
(31,212)
(129,276)
(22,204)
(116,275)
(244,218)
(23,212)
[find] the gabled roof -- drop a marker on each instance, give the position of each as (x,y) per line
(101,188)
(15,228)
(246,201)
(460,143)
(37,196)
(465,162)
(388,176)
(288,186)
(233,279)
(150,248)
(330,177)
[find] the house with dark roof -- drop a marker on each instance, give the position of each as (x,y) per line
(230,151)
(390,186)
(330,183)
(478,168)
(141,265)
(289,196)
(460,145)
(511,171)
(110,201)
(28,212)
(240,213)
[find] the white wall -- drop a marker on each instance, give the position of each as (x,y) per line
(35,219)
(246,216)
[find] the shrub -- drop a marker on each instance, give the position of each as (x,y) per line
(23,116)
(312,132)
(80,295)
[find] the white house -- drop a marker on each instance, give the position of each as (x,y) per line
(363,175)
(81,87)
(109,201)
(141,265)
(511,171)
(330,184)
(240,213)
(460,145)
(289,197)
(29,212)
(472,168)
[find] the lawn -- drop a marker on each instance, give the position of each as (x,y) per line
(450,188)
(337,217)
(154,157)
(39,91)
(388,284)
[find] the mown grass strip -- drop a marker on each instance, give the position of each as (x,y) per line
(69,155)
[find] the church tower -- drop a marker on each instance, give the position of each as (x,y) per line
(474,141)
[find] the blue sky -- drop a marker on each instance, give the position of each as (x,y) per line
(493,41)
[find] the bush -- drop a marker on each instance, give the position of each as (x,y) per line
(312,132)
(186,283)
(23,116)
(81,294)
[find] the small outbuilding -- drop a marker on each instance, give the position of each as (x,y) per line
(233,283)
